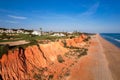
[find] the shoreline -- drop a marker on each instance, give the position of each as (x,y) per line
(112,54)
(109,41)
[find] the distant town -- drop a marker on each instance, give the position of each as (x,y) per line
(33,32)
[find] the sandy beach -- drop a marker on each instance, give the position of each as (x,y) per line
(101,63)
(112,54)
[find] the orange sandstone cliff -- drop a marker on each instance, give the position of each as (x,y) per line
(37,60)
(75,41)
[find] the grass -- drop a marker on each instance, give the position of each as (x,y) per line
(28,37)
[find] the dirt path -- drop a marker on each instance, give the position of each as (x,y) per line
(94,66)
(112,54)
(15,43)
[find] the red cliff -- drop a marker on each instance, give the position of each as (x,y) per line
(24,64)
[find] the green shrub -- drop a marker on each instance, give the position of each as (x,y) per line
(78,50)
(60,59)
(3,49)
(50,77)
(72,47)
(83,52)
(4,35)
(37,76)
(64,43)
(87,39)
(72,37)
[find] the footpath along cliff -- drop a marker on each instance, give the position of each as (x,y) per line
(38,61)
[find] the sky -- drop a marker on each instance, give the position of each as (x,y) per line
(96,16)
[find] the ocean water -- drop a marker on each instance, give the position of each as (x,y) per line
(114,38)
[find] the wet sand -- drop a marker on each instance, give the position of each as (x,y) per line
(101,63)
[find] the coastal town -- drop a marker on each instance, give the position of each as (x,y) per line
(7,35)
(34,32)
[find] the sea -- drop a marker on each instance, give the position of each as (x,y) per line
(114,38)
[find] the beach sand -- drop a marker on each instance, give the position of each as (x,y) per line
(112,54)
(101,63)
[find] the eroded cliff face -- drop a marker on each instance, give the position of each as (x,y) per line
(75,41)
(30,63)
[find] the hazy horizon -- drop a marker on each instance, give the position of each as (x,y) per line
(97,16)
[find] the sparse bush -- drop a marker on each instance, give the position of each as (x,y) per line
(67,73)
(72,37)
(83,52)
(37,76)
(86,49)
(87,39)
(33,41)
(66,54)
(50,77)
(3,49)
(60,59)
(4,35)
(64,42)
(72,47)
(78,50)
(76,53)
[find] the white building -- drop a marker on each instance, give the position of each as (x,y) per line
(9,31)
(1,31)
(36,33)
(20,31)
(70,32)
(58,34)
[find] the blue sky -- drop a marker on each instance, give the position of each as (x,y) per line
(61,15)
